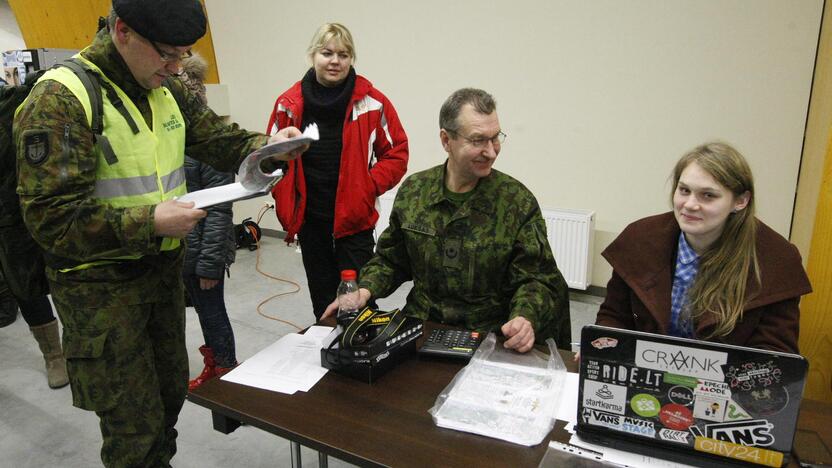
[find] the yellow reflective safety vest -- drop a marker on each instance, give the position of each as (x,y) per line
(150,162)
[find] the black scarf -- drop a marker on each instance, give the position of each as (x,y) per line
(326,103)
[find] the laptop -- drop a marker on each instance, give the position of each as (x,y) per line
(688,401)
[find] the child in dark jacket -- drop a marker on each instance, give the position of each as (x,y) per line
(210,252)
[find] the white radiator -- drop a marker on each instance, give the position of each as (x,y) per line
(570,233)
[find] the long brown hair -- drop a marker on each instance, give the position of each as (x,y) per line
(725,268)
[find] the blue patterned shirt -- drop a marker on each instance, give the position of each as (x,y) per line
(687,265)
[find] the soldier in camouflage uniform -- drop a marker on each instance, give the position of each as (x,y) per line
(112,252)
(472,239)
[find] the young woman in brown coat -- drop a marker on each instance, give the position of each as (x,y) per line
(708,270)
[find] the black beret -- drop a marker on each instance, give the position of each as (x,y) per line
(171,22)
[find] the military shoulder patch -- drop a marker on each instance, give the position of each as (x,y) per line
(36,146)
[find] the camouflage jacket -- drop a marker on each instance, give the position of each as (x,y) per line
(477,266)
(56,193)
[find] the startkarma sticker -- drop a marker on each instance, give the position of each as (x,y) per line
(605,397)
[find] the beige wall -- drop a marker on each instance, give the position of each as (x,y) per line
(599,98)
(10,37)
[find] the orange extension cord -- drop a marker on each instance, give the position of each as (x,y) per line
(262,212)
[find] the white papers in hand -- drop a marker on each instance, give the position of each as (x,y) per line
(292,363)
(223,193)
(253,178)
(253,181)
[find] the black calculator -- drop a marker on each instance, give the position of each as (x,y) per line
(451,343)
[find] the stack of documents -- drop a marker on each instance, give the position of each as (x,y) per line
(253,181)
(292,363)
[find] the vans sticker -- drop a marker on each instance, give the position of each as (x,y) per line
(600,418)
(604,342)
(699,363)
(754,432)
(605,397)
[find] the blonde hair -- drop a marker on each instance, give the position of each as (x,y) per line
(731,261)
(328,32)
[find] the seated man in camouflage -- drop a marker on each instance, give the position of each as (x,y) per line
(472,239)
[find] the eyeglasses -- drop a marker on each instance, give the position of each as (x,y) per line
(168,57)
(497,139)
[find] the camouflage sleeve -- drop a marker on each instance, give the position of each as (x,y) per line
(57,166)
(541,294)
(390,266)
(209,138)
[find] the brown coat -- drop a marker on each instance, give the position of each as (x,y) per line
(643,258)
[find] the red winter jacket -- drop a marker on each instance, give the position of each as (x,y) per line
(373,160)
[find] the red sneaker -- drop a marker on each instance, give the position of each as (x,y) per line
(208,373)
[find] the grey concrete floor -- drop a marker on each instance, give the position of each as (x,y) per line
(39,427)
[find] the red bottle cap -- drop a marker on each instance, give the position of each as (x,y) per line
(348,275)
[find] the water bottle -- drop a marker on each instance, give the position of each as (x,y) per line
(347,298)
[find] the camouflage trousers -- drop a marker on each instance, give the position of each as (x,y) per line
(126,360)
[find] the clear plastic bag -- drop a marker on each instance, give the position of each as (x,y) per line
(504,394)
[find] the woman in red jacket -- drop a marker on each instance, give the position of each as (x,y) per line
(709,270)
(329,198)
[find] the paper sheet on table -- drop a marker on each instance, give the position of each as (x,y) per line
(291,364)
(253,181)
(568,409)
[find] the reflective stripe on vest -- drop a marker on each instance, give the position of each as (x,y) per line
(150,167)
